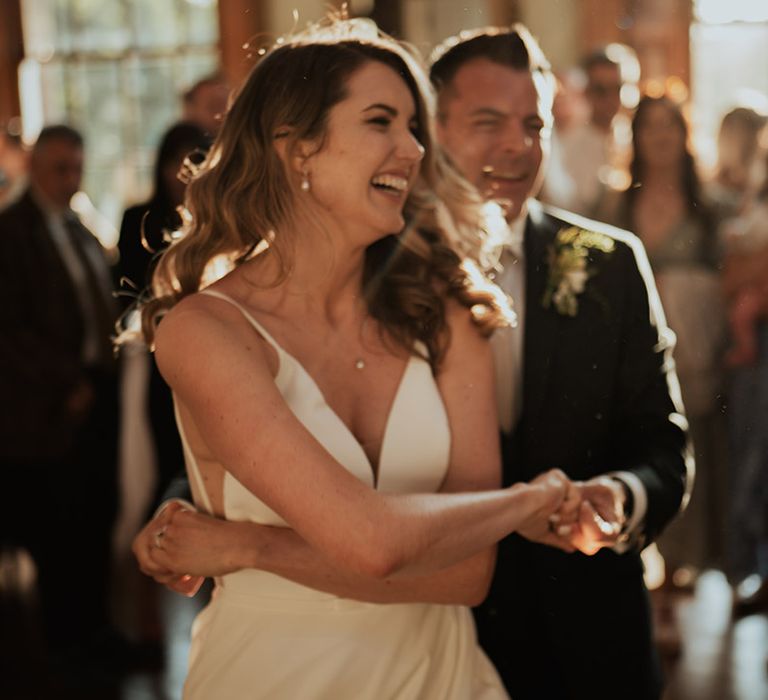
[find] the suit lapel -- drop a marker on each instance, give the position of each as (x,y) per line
(41,245)
(541,325)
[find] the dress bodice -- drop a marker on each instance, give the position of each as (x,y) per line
(415,446)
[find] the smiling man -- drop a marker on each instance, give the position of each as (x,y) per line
(584,383)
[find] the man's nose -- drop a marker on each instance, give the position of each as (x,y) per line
(515,138)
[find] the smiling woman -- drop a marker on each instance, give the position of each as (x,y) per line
(324,192)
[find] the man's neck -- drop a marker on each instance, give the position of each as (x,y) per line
(513,221)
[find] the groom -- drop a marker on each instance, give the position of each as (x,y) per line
(585,384)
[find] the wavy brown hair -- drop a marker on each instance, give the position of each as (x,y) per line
(243,197)
(690,185)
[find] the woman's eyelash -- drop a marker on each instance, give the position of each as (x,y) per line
(380,121)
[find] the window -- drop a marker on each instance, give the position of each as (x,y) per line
(115,69)
(729,53)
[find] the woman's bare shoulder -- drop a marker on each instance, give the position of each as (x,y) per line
(202,330)
(197,314)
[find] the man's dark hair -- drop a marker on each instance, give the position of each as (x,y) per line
(509,46)
(512,46)
(59,132)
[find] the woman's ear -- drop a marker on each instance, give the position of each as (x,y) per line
(293,153)
(282,141)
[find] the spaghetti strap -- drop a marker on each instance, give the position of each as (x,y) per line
(263,332)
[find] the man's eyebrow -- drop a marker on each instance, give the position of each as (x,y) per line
(486,111)
(380,105)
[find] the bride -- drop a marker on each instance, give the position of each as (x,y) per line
(337,384)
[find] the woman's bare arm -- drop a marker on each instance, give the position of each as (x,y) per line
(198,544)
(245,423)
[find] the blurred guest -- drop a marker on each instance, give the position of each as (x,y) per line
(746,277)
(746,287)
(738,165)
(144,233)
(146,227)
(205,103)
(58,380)
(665,207)
(13,167)
(570,109)
(594,153)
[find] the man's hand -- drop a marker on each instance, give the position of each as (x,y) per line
(590,517)
(601,515)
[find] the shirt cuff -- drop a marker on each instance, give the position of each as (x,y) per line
(640,508)
(183,502)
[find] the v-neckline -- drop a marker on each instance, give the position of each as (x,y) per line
(375,472)
(281,351)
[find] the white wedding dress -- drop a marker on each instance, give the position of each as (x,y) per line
(263,636)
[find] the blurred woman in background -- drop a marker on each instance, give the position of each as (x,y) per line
(664,206)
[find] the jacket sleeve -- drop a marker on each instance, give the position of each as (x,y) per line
(650,439)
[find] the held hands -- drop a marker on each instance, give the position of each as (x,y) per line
(147,544)
(179,547)
(601,517)
(589,517)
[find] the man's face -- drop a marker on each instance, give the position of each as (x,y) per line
(604,93)
(208,107)
(56,170)
(496,131)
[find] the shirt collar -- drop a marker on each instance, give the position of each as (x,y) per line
(515,231)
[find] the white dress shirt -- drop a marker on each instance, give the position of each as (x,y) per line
(507,343)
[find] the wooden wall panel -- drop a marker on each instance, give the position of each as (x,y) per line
(659,30)
(240,22)
(11,54)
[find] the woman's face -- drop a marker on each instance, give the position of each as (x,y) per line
(660,138)
(370,158)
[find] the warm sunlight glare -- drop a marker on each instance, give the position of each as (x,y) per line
(719,12)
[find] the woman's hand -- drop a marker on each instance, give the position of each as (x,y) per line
(557,508)
(145,545)
(200,545)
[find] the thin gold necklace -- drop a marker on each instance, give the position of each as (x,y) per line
(360,361)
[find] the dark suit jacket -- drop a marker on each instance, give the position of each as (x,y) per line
(42,336)
(142,239)
(596,398)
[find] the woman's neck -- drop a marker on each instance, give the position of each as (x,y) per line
(325,278)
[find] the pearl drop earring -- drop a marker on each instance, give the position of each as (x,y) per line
(305,186)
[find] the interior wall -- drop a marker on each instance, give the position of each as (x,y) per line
(11,54)
(427,22)
(555,24)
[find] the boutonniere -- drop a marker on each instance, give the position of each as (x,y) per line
(568,259)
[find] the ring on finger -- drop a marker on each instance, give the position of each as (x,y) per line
(158,539)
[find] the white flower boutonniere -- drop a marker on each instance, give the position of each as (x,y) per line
(569,270)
